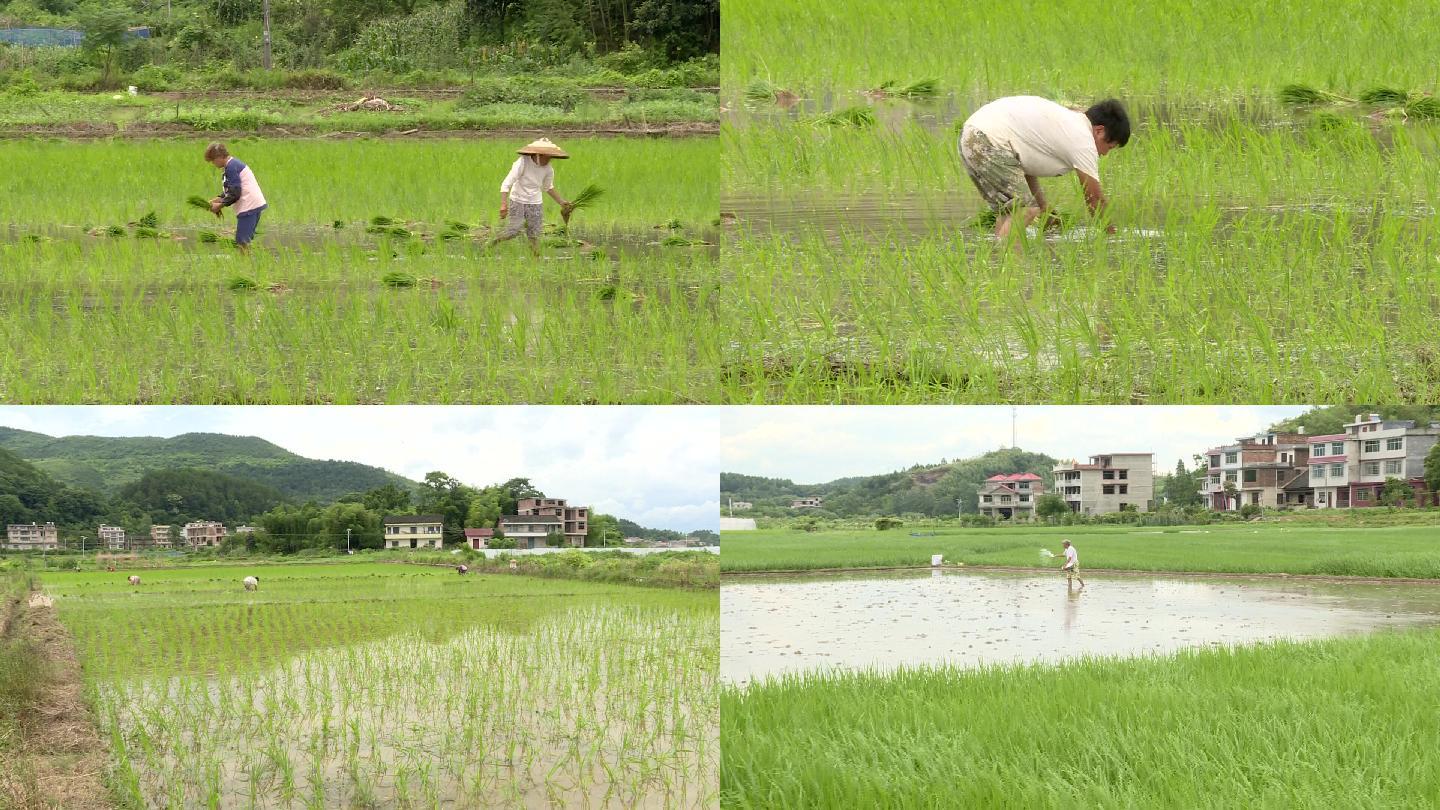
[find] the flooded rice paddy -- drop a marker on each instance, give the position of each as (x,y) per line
(774,626)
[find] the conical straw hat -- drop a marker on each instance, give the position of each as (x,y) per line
(543,146)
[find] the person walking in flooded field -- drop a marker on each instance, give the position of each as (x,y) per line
(1008,144)
(1071,568)
(521,203)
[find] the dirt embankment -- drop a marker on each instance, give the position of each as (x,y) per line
(78,130)
(58,758)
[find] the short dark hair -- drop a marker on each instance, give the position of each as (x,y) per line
(216,150)
(1110,114)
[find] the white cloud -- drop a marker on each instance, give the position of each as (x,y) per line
(658,466)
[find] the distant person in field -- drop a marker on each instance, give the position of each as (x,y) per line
(521,203)
(1008,144)
(240,189)
(1071,568)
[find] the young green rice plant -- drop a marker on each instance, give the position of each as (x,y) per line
(196,201)
(208,237)
(1384,96)
(1423,107)
(115,230)
(858,117)
(241,284)
(150,220)
(919,89)
(146,232)
(1305,94)
(398,279)
(585,199)
(381,221)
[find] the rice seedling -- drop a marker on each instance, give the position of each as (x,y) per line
(1304,94)
(398,279)
(919,89)
(1271,548)
(146,232)
(196,201)
(1423,107)
(858,117)
(584,199)
(208,237)
(399,686)
(1200,721)
(381,221)
(1384,95)
(241,284)
(455,225)
(150,220)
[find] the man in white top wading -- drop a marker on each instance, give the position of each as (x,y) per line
(1071,568)
(1011,142)
(520,202)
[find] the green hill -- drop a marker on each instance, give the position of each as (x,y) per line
(106,464)
(927,489)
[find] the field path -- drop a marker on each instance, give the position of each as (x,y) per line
(61,758)
(1133,572)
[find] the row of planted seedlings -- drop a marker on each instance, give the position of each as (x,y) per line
(594,707)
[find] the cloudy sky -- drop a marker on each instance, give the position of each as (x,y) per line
(656,466)
(812,445)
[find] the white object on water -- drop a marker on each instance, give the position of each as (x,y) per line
(1045,552)
(936,559)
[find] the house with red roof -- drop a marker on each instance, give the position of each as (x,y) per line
(479,538)
(1011,496)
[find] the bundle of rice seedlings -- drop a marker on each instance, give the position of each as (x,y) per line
(672,224)
(197,201)
(586,198)
(337,224)
(241,284)
(1329,121)
(381,221)
(456,225)
(397,230)
(607,293)
(597,255)
(115,230)
(449,234)
(398,280)
(1305,94)
(145,232)
(1423,107)
(985,220)
(208,236)
(859,116)
(1384,95)
(676,240)
(761,91)
(148,221)
(924,88)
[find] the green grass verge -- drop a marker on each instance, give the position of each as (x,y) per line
(1405,551)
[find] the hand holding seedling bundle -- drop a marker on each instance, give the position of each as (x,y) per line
(584,199)
(212,205)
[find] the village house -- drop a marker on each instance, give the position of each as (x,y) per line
(32,537)
(413,531)
(1112,482)
(161,536)
(742,505)
(1350,469)
(812,502)
(575,519)
(112,537)
(479,538)
(1010,496)
(203,534)
(537,531)
(1268,469)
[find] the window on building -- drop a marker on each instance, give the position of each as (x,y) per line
(1108,475)
(1215,460)
(1231,458)
(1108,489)
(1317,473)
(1337,448)
(1392,467)
(1250,476)
(1394,443)
(1231,477)
(1024,498)
(1124,489)
(989,498)
(1371,446)
(1362,495)
(1337,470)
(1372,468)
(1255,498)
(1124,474)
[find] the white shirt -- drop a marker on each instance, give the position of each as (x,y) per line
(1049,139)
(1071,558)
(528,180)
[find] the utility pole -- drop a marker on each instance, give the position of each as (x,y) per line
(347,540)
(1013,412)
(267,34)
(959,507)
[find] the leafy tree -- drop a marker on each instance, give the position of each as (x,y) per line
(886,524)
(178,496)
(387,500)
(1051,505)
(1432,469)
(1395,492)
(364,525)
(1182,489)
(485,510)
(105,30)
(603,530)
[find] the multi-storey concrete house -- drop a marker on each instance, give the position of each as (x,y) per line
(812,502)
(575,519)
(479,538)
(1109,483)
(1268,469)
(203,533)
(414,531)
(536,531)
(161,536)
(32,537)
(1010,496)
(1349,469)
(112,537)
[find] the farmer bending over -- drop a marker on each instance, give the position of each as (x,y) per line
(241,190)
(1071,568)
(1010,142)
(520,200)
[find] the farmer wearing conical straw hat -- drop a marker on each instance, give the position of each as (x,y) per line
(520,200)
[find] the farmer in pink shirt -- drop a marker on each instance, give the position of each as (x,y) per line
(241,190)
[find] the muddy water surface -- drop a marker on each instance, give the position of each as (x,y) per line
(776,626)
